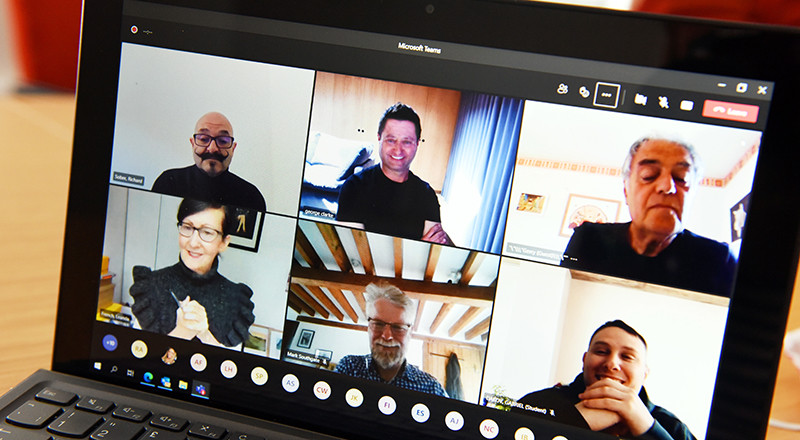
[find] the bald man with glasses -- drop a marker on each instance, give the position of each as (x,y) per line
(390,314)
(209,178)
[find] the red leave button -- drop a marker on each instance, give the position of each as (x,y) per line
(730,111)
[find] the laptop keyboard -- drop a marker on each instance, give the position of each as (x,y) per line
(55,415)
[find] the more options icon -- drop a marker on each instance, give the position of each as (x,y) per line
(606,95)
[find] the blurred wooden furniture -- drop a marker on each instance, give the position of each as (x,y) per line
(786,400)
(34,171)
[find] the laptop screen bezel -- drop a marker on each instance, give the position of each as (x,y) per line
(765,275)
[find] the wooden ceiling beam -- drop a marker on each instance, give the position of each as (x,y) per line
(302,294)
(301,304)
(479,329)
(418,318)
(471,266)
(364,251)
(398,257)
(338,295)
(359,295)
(306,250)
(291,302)
(321,297)
(429,291)
(464,320)
(334,243)
(364,328)
(433,259)
(443,312)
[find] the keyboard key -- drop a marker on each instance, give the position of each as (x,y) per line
(169,422)
(161,434)
(8,432)
(58,397)
(32,414)
(95,405)
(242,436)
(131,413)
(74,423)
(207,431)
(117,430)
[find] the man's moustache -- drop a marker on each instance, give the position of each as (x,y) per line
(385,343)
(212,156)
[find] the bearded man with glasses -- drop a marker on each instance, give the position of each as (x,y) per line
(390,314)
(209,178)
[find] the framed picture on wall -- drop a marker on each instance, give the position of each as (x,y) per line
(324,357)
(582,209)
(257,340)
(531,203)
(306,336)
(247,225)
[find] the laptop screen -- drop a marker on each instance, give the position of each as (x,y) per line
(424,232)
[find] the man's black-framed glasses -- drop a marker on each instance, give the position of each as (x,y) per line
(204,140)
(397,329)
(206,234)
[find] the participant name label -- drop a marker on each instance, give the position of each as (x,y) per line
(128,178)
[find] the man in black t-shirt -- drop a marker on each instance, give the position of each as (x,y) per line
(388,198)
(209,178)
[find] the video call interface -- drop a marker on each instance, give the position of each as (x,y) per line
(253,214)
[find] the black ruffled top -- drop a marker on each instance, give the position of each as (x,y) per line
(228,305)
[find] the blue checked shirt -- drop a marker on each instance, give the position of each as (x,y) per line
(409,376)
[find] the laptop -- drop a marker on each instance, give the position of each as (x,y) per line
(444,219)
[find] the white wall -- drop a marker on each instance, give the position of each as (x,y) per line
(542,230)
(526,327)
(162,94)
(114,238)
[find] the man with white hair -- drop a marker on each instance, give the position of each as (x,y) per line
(390,314)
(660,177)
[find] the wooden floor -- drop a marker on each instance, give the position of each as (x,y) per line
(37,138)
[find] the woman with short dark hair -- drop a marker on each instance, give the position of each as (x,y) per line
(191,299)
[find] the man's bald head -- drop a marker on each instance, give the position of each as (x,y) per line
(212,143)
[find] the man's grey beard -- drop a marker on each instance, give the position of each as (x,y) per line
(386,359)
